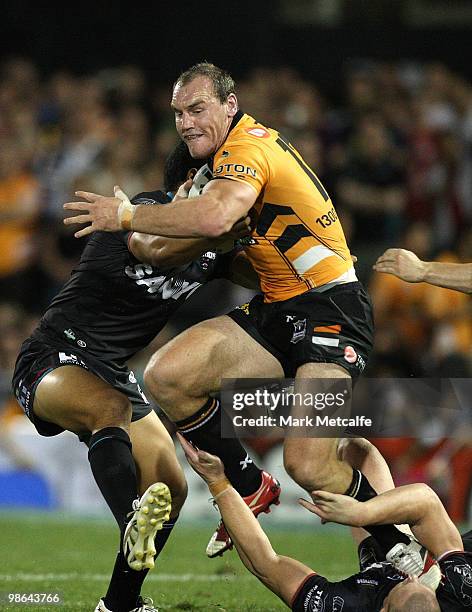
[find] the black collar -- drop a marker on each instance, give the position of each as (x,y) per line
(236,119)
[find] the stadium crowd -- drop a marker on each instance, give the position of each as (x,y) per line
(393,146)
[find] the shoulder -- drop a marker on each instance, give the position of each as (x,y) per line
(151,197)
(248,141)
(248,131)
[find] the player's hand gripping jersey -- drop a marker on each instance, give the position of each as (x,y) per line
(298,242)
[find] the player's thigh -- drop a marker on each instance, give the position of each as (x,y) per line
(201,356)
(78,400)
(155,458)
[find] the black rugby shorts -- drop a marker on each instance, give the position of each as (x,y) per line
(38,358)
(335,326)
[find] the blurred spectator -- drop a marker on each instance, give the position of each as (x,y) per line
(15,326)
(83,131)
(19,209)
(372,183)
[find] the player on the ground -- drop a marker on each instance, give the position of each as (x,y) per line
(379,586)
(72,374)
(314,319)
(408,267)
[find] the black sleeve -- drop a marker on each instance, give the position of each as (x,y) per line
(457,582)
(151,197)
(311,594)
(369,551)
(224,261)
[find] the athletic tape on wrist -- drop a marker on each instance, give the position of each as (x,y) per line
(126,210)
(219,487)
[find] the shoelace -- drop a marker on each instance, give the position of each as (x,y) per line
(135,506)
(408,563)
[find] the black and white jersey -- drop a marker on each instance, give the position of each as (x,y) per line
(455,591)
(367,590)
(113,305)
(358,593)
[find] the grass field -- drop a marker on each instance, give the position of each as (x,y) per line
(51,553)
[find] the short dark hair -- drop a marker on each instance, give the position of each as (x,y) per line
(178,164)
(223,84)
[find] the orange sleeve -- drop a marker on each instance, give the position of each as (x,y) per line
(246,163)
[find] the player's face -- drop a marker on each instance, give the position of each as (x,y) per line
(202,121)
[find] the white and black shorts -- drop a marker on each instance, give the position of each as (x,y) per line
(39,357)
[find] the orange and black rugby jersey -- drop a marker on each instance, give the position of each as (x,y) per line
(297,243)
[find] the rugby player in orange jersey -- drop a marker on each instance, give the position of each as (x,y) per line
(313,319)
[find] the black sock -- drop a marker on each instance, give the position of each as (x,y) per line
(125,584)
(114,470)
(386,535)
(204,430)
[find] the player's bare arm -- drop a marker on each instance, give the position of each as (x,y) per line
(169,252)
(282,575)
(416,505)
(408,267)
(210,215)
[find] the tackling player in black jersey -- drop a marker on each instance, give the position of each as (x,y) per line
(378,587)
(71,374)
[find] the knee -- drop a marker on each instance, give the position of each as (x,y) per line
(155,374)
(114,410)
(427,498)
(302,473)
(310,476)
(170,379)
(162,375)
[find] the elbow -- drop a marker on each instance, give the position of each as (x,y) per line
(263,568)
(157,257)
(163,258)
(427,498)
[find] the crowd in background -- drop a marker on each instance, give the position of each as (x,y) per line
(393,149)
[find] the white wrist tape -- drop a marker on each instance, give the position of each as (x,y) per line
(126,210)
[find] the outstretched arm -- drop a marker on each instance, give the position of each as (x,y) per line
(170,252)
(281,575)
(210,215)
(416,504)
(364,456)
(407,266)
